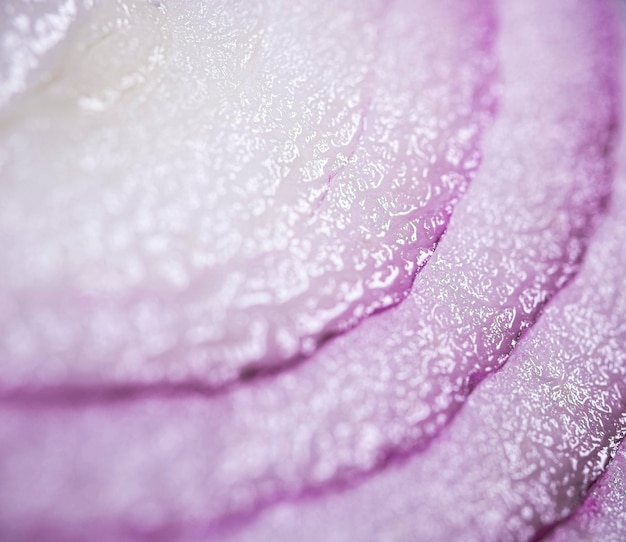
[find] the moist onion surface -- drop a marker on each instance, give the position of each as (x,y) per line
(274,270)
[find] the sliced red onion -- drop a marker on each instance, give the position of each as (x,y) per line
(152,465)
(343,447)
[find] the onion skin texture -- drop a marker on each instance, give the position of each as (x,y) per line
(486,402)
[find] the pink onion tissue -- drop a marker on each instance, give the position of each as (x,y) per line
(285,270)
